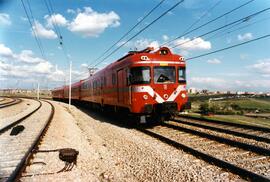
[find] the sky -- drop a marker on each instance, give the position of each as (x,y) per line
(89,27)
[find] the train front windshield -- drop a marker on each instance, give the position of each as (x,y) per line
(161,75)
(164,74)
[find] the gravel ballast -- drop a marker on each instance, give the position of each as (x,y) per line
(110,152)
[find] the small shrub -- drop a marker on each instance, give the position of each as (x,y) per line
(204,108)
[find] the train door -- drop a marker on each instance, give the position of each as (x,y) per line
(120,86)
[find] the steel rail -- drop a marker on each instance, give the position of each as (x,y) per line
(4,129)
(25,160)
(252,127)
(228,131)
(244,173)
(13,102)
(245,146)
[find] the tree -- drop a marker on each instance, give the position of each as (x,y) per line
(204,108)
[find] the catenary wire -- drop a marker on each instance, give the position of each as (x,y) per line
(33,19)
(234,22)
(229,47)
(228,30)
(203,25)
(147,26)
(203,15)
(34,32)
(132,28)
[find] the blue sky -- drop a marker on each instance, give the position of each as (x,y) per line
(89,27)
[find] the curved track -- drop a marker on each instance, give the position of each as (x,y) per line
(16,149)
(10,102)
(245,159)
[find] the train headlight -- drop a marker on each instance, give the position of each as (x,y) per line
(182,59)
(165,96)
(183,95)
(145,97)
(145,58)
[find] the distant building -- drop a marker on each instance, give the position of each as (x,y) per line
(204,91)
(240,92)
(192,90)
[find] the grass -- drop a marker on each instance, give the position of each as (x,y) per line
(237,119)
(247,105)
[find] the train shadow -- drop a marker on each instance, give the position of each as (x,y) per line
(120,119)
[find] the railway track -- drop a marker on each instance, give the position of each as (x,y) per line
(246,160)
(15,150)
(257,133)
(9,102)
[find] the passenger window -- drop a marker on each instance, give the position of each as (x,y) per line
(113,79)
(139,75)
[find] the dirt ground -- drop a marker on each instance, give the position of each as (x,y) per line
(110,151)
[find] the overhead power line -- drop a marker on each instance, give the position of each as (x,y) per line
(143,29)
(204,14)
(132,28)
(241,20)
(38,41)
(230,47)
(55,27)
(203,25)
(229,30)
(51,13)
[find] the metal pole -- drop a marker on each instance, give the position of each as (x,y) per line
(38,91)
(69,96)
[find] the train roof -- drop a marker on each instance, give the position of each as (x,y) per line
(148,54)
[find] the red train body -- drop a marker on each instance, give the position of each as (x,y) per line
(142,82)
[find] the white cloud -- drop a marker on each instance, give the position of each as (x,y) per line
(57,75)
(55,19)
(71,11)
(207,80)
(165,37)
(17,67)
(27,56)
(42,32)
(84,65)
(5,19)
(141,44)
(90,23)
(43,67)
(25,70)
(210,83)
(262,67)
(214,61)
(214,83)
(243,56)
(5,51)
(196,44)
(23,18)
(252,85)
(245,37)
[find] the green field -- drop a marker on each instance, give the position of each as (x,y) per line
(245,104)
(234,110)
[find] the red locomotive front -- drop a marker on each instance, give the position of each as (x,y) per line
(158,83)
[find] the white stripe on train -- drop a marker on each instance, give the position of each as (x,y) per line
(158,98)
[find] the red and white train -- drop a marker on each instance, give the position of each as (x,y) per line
(145,83)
